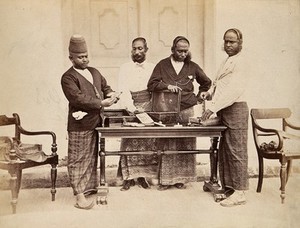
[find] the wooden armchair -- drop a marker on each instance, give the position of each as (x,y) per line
(16,156)
(272,143)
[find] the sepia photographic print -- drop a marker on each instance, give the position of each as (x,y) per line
(150,113)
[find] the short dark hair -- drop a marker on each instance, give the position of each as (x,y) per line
(177,39)
(237,32)
(141,39)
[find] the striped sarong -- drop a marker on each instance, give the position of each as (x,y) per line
(82,160)
(233,154)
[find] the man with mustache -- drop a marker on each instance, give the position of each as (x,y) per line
(228,102)
(133,78)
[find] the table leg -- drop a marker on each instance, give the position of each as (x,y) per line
(103,187)
(212,185)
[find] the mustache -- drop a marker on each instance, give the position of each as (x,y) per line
(223,48)
(135,56)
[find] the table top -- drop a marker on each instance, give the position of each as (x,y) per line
(161,132)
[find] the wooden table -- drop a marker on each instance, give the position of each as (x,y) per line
(213,132)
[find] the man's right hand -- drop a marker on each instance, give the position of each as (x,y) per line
(205,95)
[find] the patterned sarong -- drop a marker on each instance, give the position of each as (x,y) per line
(82,160)
(139,165)
(142,99)
(233,155)
(135,166)
(179,168)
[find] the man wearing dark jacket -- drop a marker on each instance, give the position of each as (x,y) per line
(178,73)
(87,92)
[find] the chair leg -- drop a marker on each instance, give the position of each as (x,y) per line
(14,189)
(19,181)
(260,173)
(283,179)
(53,180)
(288,168)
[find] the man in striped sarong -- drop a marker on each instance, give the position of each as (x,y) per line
(87,92)
(228,102)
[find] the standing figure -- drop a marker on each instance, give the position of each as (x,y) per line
(228,103)
(87,92)
(177,73)
(133,78)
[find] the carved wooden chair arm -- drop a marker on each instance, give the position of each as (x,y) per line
(52,134)
(25,132)
(270,132)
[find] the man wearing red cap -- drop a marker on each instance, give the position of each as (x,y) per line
(87,92)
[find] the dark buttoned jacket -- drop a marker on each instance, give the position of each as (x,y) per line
(164,74)
(84,96)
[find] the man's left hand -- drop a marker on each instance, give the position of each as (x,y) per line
(113,96)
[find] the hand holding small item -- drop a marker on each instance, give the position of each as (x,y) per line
(114,96)
(108,101)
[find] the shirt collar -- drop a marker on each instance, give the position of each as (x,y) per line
(79,70)
(140,64)
(176,62)
(234,56)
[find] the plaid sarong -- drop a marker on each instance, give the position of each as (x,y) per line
(233,154)
(82,160)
